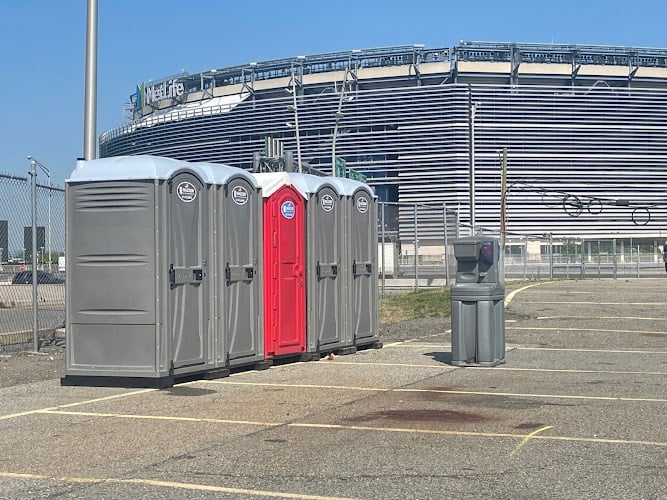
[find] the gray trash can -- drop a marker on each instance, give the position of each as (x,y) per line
(478,305)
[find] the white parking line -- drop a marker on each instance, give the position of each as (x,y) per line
(168,484)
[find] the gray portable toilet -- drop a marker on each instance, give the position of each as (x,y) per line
(236,264)
(360,263)
(138,248)
(325,294)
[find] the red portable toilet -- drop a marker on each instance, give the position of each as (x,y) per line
(284,265)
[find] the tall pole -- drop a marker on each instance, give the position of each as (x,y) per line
(49,220)
(337,117)
(473,112)
(90,112)
(35,304)
(503,212)
(296,122)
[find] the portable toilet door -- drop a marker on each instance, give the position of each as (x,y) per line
(284,267)
(188,244)
(324,230)
(362,224)
(240,261)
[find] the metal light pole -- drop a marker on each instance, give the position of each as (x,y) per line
(296,122)
(338,116)
(90,112)
(473,112)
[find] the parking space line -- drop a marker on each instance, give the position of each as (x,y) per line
(298,386)
(510,296)
(547,396)
(596,303)
(569,349)
(566,349)
(160,417)
(363,428)
(478,434)
(78,403)
(634,318)
(527,438)
(439,391)
(560,329)
(169,484)
(500,367)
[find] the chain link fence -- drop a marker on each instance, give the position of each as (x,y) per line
(16,255)
(415,251)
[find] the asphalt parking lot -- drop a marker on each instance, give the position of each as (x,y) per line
(578,411)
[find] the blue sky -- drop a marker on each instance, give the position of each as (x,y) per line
(42,48)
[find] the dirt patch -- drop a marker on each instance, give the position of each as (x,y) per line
(442,416)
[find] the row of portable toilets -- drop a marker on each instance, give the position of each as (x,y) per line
(178,269)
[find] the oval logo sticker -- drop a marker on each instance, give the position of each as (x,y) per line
(287,209)
(186,191)
(327,203)
(362,204)
(240,195)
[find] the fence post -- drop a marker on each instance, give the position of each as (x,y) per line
(35,303)
(638,259)
(416,250)
(613,253)
(525,255)
(384,264)
(444,220)
(551,256)
(583,265)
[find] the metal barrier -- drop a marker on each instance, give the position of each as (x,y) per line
(17,313)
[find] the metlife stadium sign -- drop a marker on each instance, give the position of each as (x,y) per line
(155,93)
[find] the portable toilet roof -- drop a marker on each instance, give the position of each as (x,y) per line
(220,173)
(141,167)
(312,183)
(348,187)
(270,182)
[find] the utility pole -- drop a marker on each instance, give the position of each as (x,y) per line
(503,200)
(90,112)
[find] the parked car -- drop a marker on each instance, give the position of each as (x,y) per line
(43,278)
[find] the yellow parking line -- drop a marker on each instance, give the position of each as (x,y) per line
(634,318)
(300,386)
(500,367)
(169,484)
(475,393)
(530,395)
(361,428)
(556,329)
(596,303)
(477,434)
(448,346)
(614,351)
(527,438)
(78,403)
(511,295)
(161,417)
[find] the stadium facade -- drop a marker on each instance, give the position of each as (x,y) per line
(584,127)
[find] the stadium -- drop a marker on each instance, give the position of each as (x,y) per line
(583,129)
